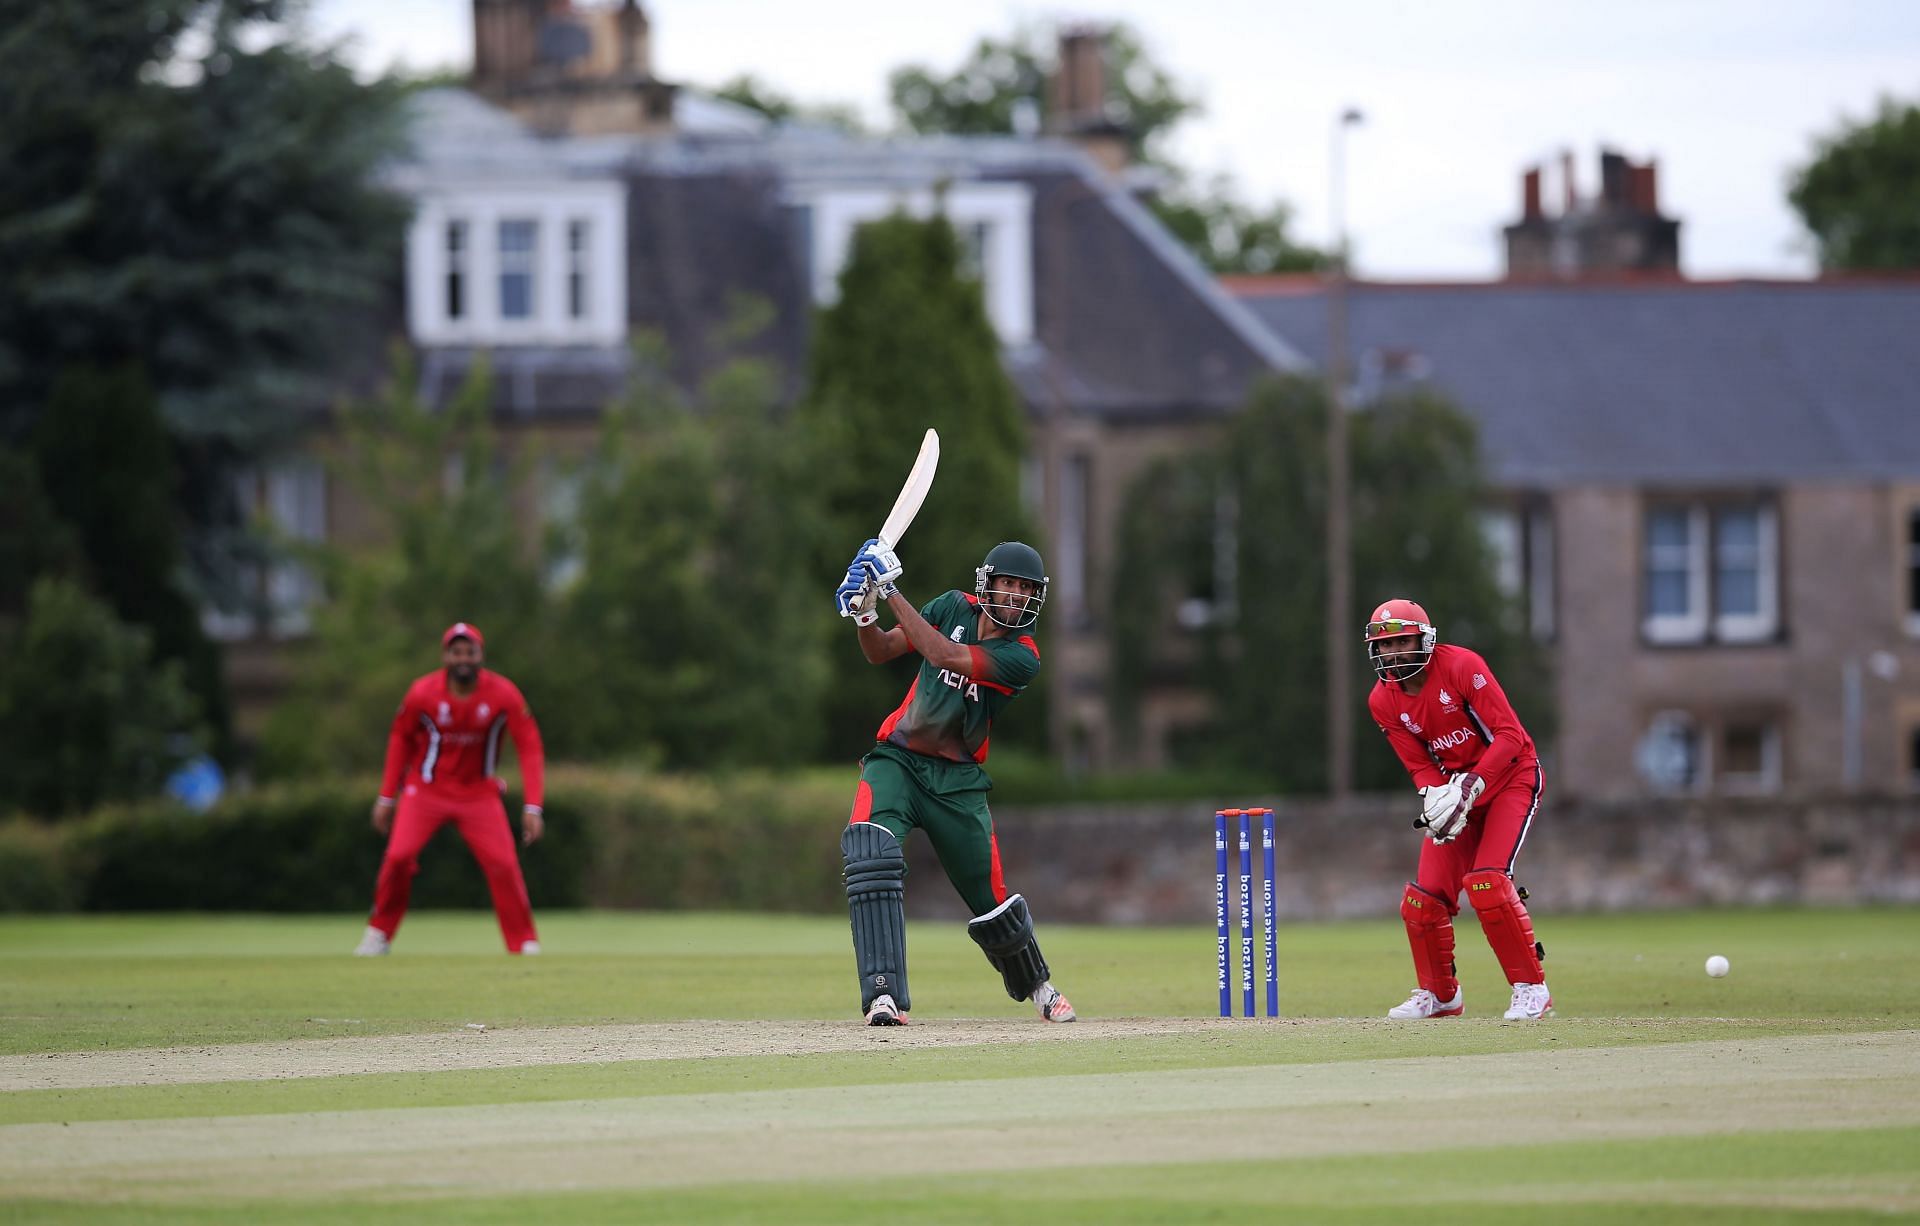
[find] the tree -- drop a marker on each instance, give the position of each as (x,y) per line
(105,460)
(440,494)
(1222,575)
(1857,194)
(907,345)
(749,91)
(190,193)
(86,713)
(981,97)
(1230,236)
(685,638)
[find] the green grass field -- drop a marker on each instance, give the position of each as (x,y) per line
(689,1068)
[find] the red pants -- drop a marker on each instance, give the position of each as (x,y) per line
(1495,830)
(482,821)
(1481,858)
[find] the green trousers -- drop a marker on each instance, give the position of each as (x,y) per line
(905,791)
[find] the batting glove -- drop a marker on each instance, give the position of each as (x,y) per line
(882,564)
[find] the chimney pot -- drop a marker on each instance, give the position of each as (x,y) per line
(1530,209)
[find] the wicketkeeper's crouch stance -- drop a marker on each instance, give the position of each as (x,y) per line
(924,771)
(1479,779)
(445,742)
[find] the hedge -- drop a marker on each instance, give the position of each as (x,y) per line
(614,839)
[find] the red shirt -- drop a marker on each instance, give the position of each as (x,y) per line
(1459,721)
(451,743)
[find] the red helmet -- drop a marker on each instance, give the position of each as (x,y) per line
(1399,619)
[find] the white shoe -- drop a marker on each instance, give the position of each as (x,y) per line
(883,1012)
(1424,1004)
(1531,1002)
(373,943)
(531,947)
(1053,1007)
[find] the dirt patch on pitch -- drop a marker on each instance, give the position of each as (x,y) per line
(469,1048)
(981,1125)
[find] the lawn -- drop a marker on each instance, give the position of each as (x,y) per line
(710,1068)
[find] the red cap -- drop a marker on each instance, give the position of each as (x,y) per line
(461,630)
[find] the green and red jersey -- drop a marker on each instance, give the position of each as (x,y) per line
(950,715)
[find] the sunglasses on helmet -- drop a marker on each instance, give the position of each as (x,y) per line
(1394,625)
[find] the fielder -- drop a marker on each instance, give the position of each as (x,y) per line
(925,772)
(446,742)
(1444,713)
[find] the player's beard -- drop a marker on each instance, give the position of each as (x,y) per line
(463,674)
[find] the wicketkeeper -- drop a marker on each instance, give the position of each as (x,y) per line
(1444,713)
(445,744)
(925,771)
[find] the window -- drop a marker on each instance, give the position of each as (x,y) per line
(456,270)
(577,269)
(1913,571)
(296,499)
(973,249)
(1711,572)
(1749,757)
(1671,755)
(264,584)
(1522,544)
(993,221)
(521,263)
(518,267)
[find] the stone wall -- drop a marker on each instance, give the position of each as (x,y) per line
(1153,863)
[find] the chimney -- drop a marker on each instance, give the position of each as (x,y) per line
(1615,189)
(1646,193)
(1078,100)
(636,50)
(506,40)
(1621,232)
(1080,81)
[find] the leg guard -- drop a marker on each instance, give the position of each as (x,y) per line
(876,876)
(1503,917)
(1006,935)
(1429,923)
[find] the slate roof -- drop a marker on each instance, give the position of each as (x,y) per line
(1126,323)
(1664,383)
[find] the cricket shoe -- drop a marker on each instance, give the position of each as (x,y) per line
(373,944)
(1531,1002)
(529,947)
(883,1012)
(1053,1007)
(1424,1004)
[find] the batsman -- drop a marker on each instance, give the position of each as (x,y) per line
(925,770)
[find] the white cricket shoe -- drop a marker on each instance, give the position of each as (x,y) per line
(530,947)
(1053,1007)
(883,1012)
(1424,1004)
(373,943)
(1531,1002)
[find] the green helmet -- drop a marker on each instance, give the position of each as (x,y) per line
(1011,558)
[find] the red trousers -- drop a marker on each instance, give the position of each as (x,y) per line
(482,822)
(1495,830)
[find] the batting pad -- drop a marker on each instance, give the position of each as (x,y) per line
(1006,935)
(876,876)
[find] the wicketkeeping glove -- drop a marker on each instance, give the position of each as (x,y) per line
(1444,808)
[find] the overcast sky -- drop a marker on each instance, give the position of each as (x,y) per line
(1459,95)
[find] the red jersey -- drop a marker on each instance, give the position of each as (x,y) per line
(1459,721)
(451,743)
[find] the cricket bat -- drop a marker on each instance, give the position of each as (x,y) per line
(913,493)
(905,507)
